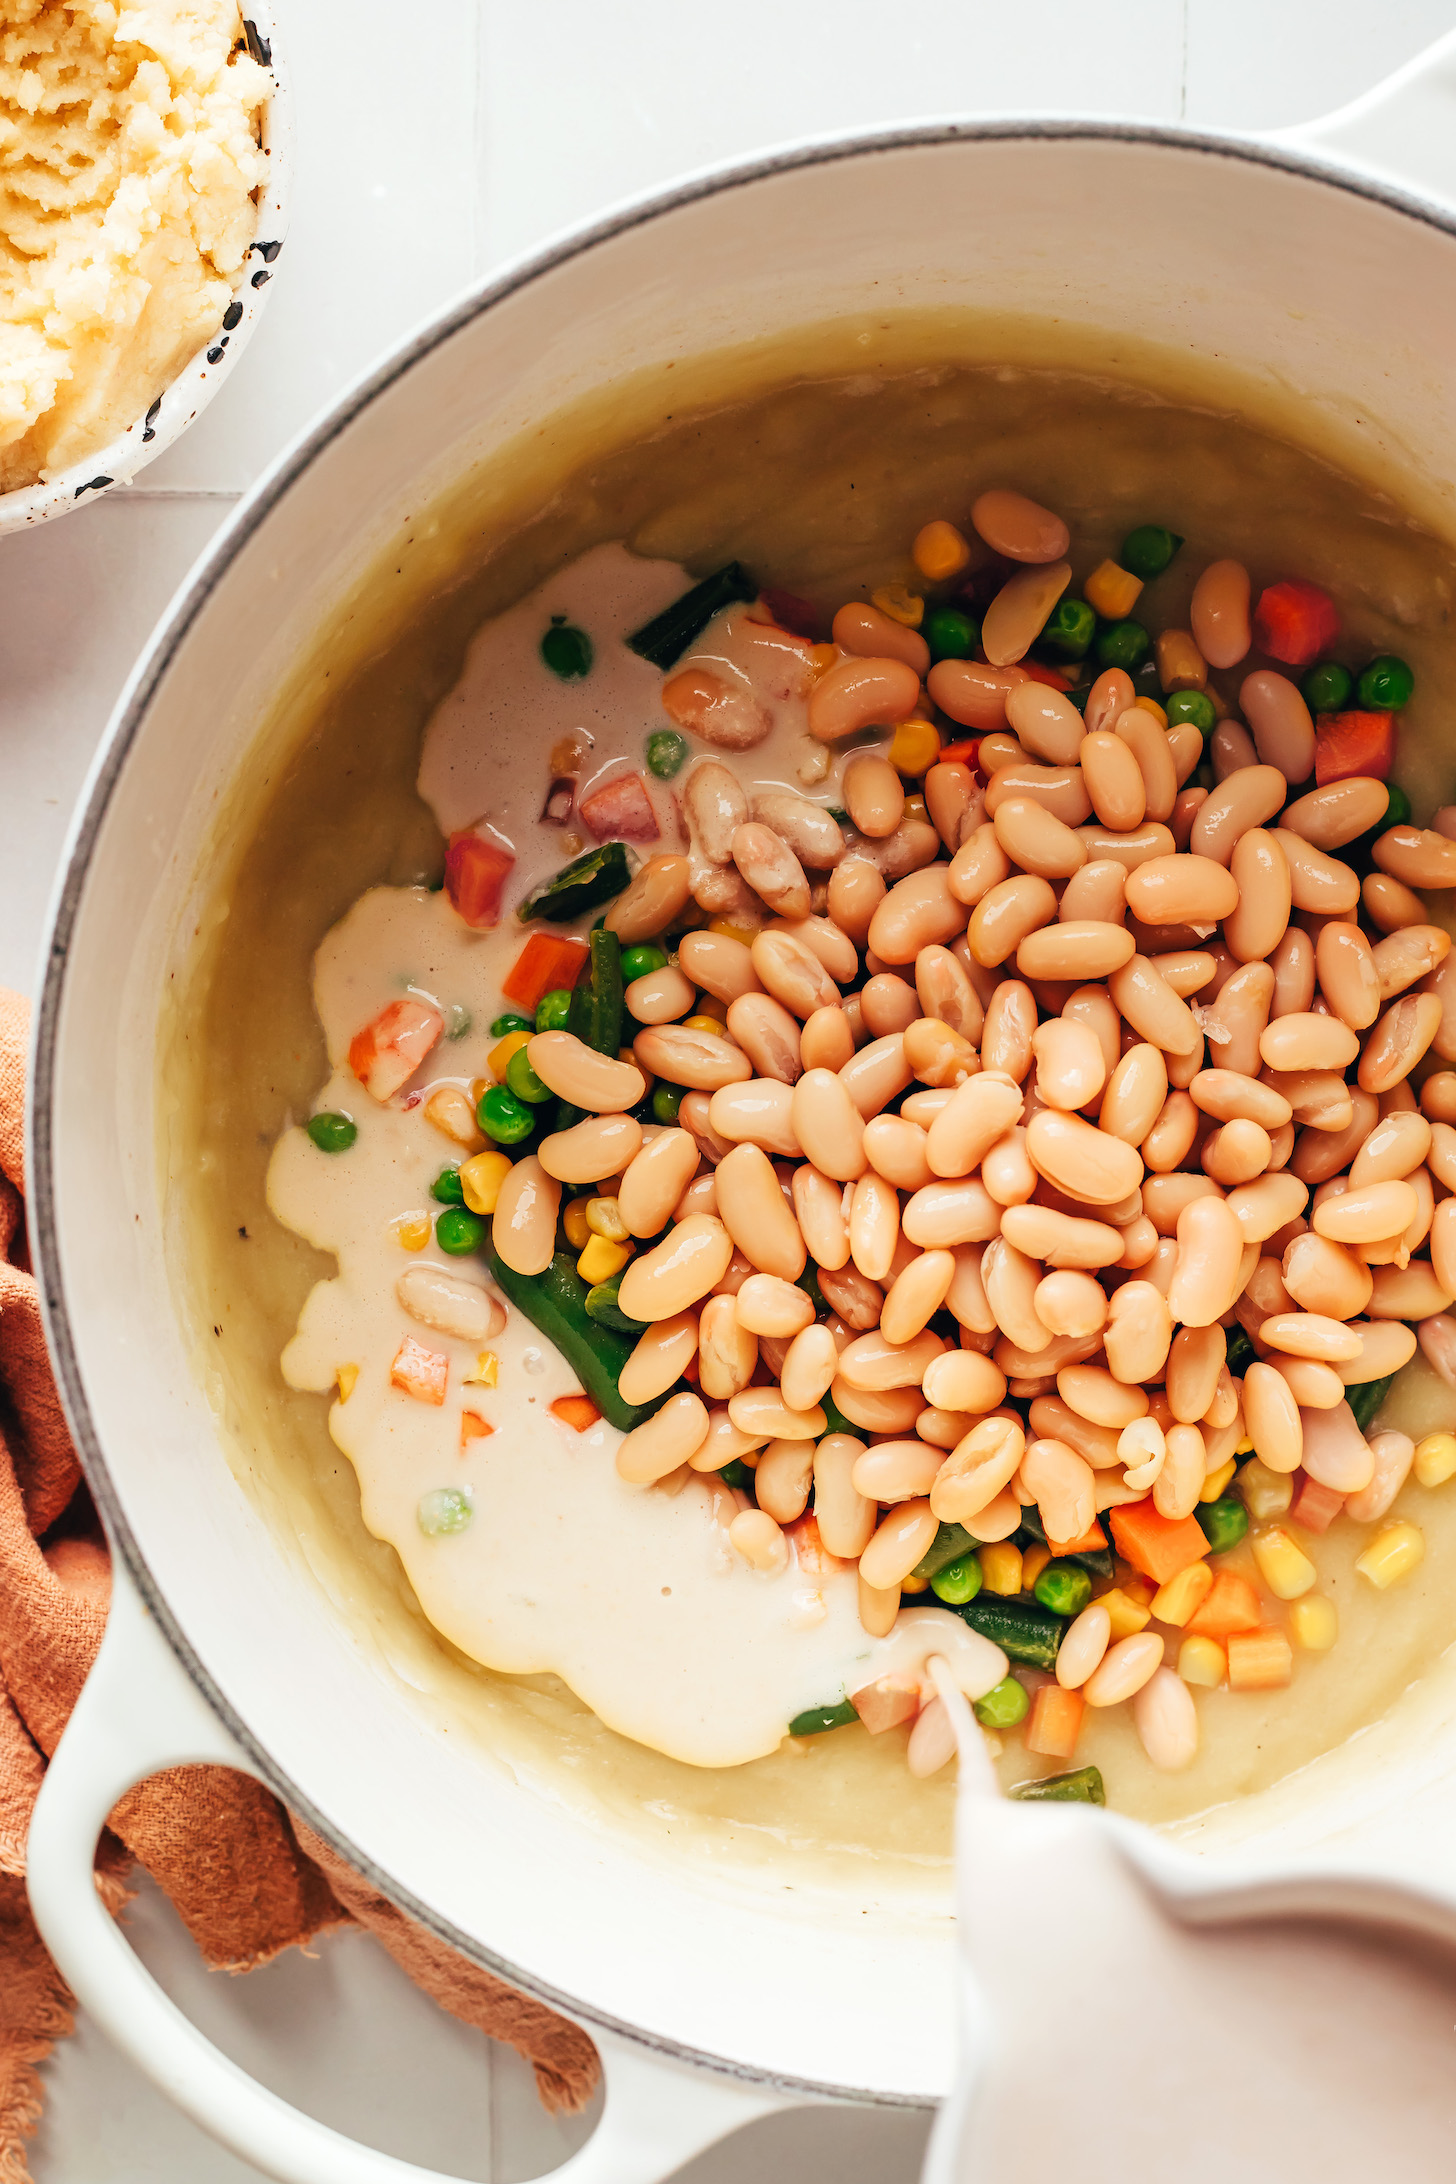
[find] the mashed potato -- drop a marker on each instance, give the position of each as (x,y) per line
(128,154)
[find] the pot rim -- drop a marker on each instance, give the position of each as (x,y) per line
(125,725)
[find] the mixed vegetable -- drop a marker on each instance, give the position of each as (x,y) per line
(1017,1171)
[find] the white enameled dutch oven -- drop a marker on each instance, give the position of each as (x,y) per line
(711,2003)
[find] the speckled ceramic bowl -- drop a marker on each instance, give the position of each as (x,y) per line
(118,462)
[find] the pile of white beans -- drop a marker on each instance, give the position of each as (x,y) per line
(1156,1079)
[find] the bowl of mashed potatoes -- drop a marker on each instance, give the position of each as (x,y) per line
(142,197)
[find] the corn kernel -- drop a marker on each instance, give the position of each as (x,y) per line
(576,1225)
(479,1087)
(412,1231)
(939,551)
(1179,1600)
(1034,1560)
(604,1218)
(502,1051)
(1001,1567)
(708,1009)
(1181,666)
(1244,1447)
(915,808)
(1314,1622)
(703,1023)
(914,748)
(481,1180)
(822,658)
(1435,1460)
(1392,1554)
(1202,1661)
(453,1114)
(1265,1493)
(748,934)
(1112,590)
(346,1376)
(914,1584)
(1139,1589)
(900,603)
(1283,1564)
(601,1260)
(1216,1481)
(487,1371)
(1128,1616)
(1151,705)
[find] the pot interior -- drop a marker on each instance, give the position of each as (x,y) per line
(789,370)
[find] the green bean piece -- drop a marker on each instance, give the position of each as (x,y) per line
(1224,1522)
(666,1100)
(736,1473)
(816,1719)
(1122,644)
(1068,630)
(951,633)
(835,1420)
(1148,550)
(1386,684)
(1397,805)
(447,1189)
(639,961)
(446,1509)
(332,1132)
(603,1307)
(553,1009)
(667,636)
(1366,1399)
(1021,1628)
(1241,1353)
(1004,1705)
(459,1231)
(1328,687)
(1097,1560)
(597,1005)
(566,1115)
(958,1582)
(666,751)
(950,1542)
(567,650)
(1192,705)
(502,1116)
(555,1304)
(1083,1786)
(510,1021)
(1063,1588)
(589,880)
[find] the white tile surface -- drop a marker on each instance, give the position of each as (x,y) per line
(425,161)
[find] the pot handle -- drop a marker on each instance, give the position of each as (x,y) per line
(1402,132)
(139,1712)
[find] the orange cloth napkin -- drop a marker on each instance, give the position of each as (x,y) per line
(248,1879)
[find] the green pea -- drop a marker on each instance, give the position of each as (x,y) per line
(958,1582)
(332,1133)
(950,633)
(1397,805)
(460,1232)
(1069,630)
(1123,644)
(638,961)
(447,1189)
(1064,1587)
(500,1025)
(1148,550)
(1004,1705)
(1386,684)
(1224,1522)
(1327,688)
(502,1116)
(666,750)
(566,650)
(553,1009)
(1192,705)
(666,1100)
(523,1081)
(446,1509)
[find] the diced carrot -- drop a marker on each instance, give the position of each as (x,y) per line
(1232,1606)
(1055,678)
(547,964)
(793,613)
(1295,622)
(1093,1538)
(1159,1546)
(960,754)
(1259,1660)
(420,1372)
(476,869)
(473,1427)
(1353,743)
(620,811)
(577,1411)
(386,1054)
(1314,1506)
(813,1557)
(887,1702)
(1055,1721)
